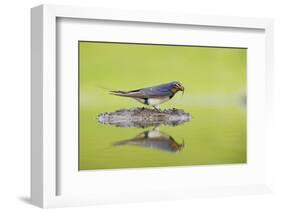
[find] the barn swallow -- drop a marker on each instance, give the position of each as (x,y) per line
(153,96)
(153,139)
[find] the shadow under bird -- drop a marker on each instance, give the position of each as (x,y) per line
(153,139)
(153,96)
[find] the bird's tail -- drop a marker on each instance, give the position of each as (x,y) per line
(120,93)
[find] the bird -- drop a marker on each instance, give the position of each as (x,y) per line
(154,95)
(153,139)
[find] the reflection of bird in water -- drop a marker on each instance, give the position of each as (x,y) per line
(153,139)
(153,96)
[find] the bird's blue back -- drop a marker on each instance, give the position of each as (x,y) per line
(160,90)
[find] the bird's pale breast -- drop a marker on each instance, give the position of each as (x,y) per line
(157,101)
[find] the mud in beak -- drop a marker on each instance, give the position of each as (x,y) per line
(181,88)
(181,146)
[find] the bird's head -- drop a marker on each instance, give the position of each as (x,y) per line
(176,86)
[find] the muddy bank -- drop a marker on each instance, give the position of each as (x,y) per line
(144,117)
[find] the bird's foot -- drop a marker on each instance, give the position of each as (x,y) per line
(157,109)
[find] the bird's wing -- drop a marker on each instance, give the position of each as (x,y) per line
(150,92)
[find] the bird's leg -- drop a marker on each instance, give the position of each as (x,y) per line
(156,128)
(157,108)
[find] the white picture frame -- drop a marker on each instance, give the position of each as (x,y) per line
(44,153)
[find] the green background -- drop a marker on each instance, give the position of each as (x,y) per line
(215,93)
